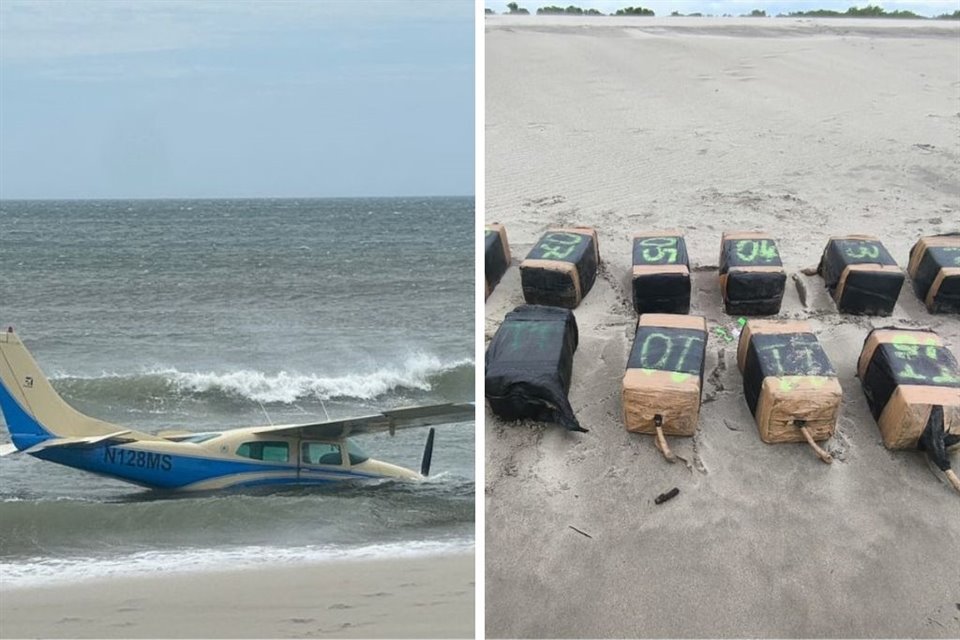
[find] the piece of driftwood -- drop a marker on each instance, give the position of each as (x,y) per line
(669,495)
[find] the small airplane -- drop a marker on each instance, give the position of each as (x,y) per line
(44,426)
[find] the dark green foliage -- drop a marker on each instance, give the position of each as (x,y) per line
(515,9)
(816,13)
(569,11)
(869,11)
(950,16)
(758,13)
(634,11)
(489,12)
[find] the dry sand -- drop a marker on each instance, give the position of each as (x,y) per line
(805,129)
(430,597)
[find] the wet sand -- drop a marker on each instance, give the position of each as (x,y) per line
(430,597)
(802,128)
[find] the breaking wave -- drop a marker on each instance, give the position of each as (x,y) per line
(46,571)
(419,372)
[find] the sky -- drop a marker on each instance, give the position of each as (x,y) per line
(281,98)
(736,7)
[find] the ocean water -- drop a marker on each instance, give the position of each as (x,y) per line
(208,314)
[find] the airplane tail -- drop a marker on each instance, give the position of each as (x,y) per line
(32,408)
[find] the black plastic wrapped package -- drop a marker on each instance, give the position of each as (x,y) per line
(752,279)
(935,270)
(661,273)
(861,275)
(561,268)
(912,384)
(529,365)
(788,381)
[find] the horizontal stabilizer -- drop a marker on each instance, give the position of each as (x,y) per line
(388,421)
(110,438)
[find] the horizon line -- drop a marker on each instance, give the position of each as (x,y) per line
(145,198)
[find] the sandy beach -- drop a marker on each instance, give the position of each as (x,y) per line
(428,597)
(804,129)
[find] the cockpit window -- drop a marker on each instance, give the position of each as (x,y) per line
(357,455)
(266,451)
(321,453)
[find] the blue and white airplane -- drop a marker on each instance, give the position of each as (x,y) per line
(43,425)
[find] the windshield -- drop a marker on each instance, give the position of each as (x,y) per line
(357,455)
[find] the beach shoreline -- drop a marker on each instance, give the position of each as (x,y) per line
(804,129)
(416,597)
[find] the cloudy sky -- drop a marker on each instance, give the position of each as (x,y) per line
(737,7)
(116,99)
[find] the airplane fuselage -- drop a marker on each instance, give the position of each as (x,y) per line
(214,464)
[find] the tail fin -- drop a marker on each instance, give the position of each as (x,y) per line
(32,408)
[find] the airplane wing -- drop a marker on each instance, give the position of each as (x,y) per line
(116,437)
(387,421)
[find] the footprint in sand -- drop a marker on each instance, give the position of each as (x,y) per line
(340,605)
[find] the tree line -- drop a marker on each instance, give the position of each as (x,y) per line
(869,11)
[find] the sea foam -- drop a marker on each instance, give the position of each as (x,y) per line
(44,571)
(417,372)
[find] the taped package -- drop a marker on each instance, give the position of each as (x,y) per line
(752,278)
(789,383)
(661,273)
(663,382)
(912,384)
(935,270)
(561,268)
(529,364)
(861,275)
